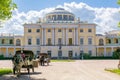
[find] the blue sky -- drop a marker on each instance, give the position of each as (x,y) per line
(104,13)
(27,5)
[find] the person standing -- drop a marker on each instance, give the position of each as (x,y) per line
(23,56)
(42,60)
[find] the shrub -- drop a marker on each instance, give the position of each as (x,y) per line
(1,56)
(116,54)
(86,56)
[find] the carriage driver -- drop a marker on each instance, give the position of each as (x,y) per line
(23,55)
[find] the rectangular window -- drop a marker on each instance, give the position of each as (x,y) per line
(81,41)
(38,41)
(70,54)
(89,40)
(70,41)
(11,41)
(3,41)
(70,30)
(49,41)
(59,17)
(65,17)
(29,41)
(29,30)
(90,52)
(37,30)
(89,30)
(49,53)
(49,30)
(60,53)
(59,30)
(59,41)
(81,30)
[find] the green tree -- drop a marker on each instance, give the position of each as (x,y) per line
(118,2)
(6,7)
(116,54)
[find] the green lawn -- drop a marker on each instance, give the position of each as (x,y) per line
(117,71)
(5,71)
(67,60)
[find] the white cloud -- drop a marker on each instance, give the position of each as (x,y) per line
(105,18)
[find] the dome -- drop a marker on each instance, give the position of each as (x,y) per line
(60,14)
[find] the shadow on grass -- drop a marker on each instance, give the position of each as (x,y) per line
(23,76)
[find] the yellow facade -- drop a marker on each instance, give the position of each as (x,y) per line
(61,36)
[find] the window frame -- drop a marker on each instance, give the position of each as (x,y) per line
(49,30)
(11,41)
(29,30)
(81,31)
(89,30)
(37,42)
(18,42)
(81,43)
(37,30)
(89,40)
(29,41)
(59,30)
(49,41)
(70,41)
(70,30)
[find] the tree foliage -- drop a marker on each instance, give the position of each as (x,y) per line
(118,2)
(6,7)
(116,54)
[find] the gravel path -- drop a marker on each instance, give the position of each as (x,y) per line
(78,70)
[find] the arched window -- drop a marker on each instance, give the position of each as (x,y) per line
(101,42)
(115,40)
(109,41)
(18,42)
(3,41)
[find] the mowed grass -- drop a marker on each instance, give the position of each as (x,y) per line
(66,60)
(5,71)
(117,71)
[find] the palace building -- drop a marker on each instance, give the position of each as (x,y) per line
(61,35)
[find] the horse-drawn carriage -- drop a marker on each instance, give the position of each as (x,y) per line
(44,57)
(19,62)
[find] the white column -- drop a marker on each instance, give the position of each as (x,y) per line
(14,50)
(6,51)
(42,35)
(112,51)
(66,36)
(53,36)
(104,51)
(97,51)
(74,36)
(63,36)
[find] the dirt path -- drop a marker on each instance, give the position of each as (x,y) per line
(79,70)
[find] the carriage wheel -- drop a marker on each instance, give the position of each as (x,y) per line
(32,68)
(28,69)
(14,70)
(118,66)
